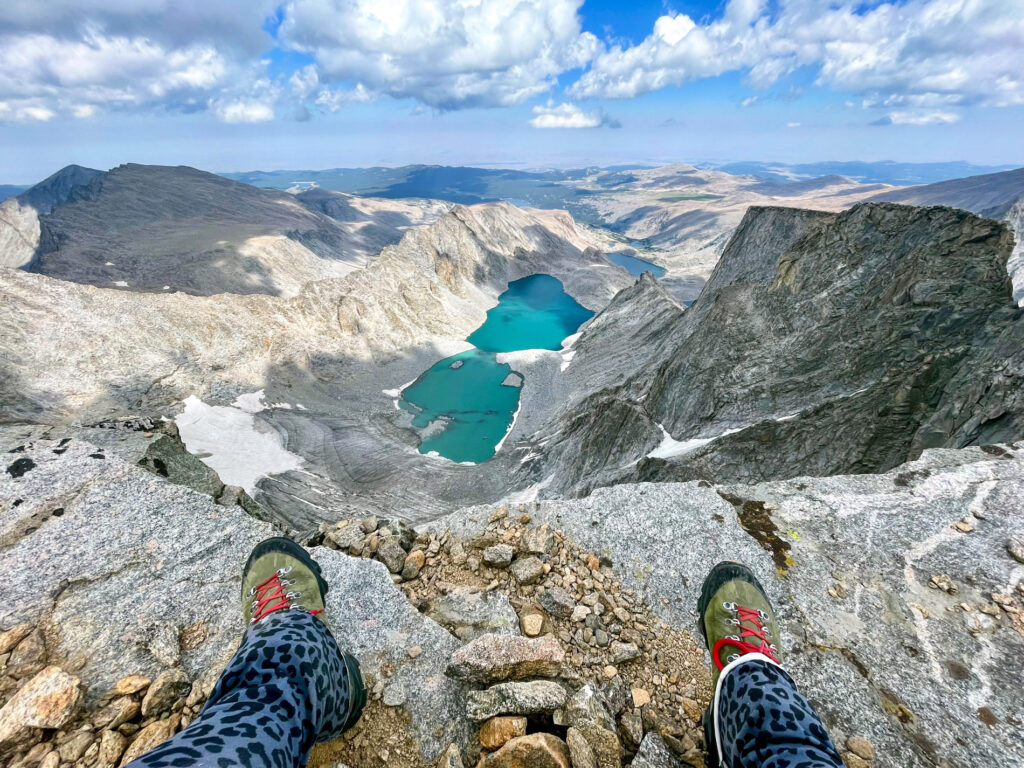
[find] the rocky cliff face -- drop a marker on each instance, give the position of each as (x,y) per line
(821,344)
(995,195)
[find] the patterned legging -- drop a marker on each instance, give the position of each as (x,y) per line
(764,722)
(287,687)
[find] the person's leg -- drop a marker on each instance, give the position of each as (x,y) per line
(288,685)
(757,719)
(764,722)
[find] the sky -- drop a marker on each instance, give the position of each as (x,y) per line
(232,85)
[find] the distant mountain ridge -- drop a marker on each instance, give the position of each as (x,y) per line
(883,172)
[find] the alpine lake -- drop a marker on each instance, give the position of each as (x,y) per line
(465,404)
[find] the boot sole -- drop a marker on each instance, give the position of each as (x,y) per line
(288,547)
(722,573)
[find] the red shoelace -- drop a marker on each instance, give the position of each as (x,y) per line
(270,589)
(751,616)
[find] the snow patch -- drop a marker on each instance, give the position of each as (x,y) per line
(567,358)
(121,283)
(227,440)
(670,447)
(396,394)
(511,426)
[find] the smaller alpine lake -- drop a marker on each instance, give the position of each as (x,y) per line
(634,264)
(465,404)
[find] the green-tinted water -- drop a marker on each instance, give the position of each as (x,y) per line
(465,398)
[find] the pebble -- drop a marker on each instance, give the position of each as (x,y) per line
(624,652)
(415,651)
(580,612)
(609,672)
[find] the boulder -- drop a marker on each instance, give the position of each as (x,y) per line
(537,750)
(527,698)
(471,614)
(498,730)
(48,700)
(494,658)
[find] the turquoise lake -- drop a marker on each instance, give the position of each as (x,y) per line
(470,399)
(634,265)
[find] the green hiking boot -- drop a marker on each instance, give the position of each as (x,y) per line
(281,576)
(736,619)
(735,616)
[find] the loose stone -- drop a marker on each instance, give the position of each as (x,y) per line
(494,733)
(499,555)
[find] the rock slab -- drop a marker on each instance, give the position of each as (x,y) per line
(494,658)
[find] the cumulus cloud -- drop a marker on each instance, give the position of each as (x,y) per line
(75,58)
(447,54)
(570,116)
(957,52)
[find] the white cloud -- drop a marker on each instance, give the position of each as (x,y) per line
(792,125)
(445,53)
(333,100)
(918,118)
(955,52)
(570,116)
(243,111)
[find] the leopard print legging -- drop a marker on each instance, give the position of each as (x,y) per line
(287,687)
(764,722)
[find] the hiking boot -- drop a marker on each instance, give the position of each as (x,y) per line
(736,619)
(735,616)
(281,576)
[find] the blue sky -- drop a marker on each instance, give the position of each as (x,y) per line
(245,84)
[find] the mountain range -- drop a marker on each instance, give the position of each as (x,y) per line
(826,381)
